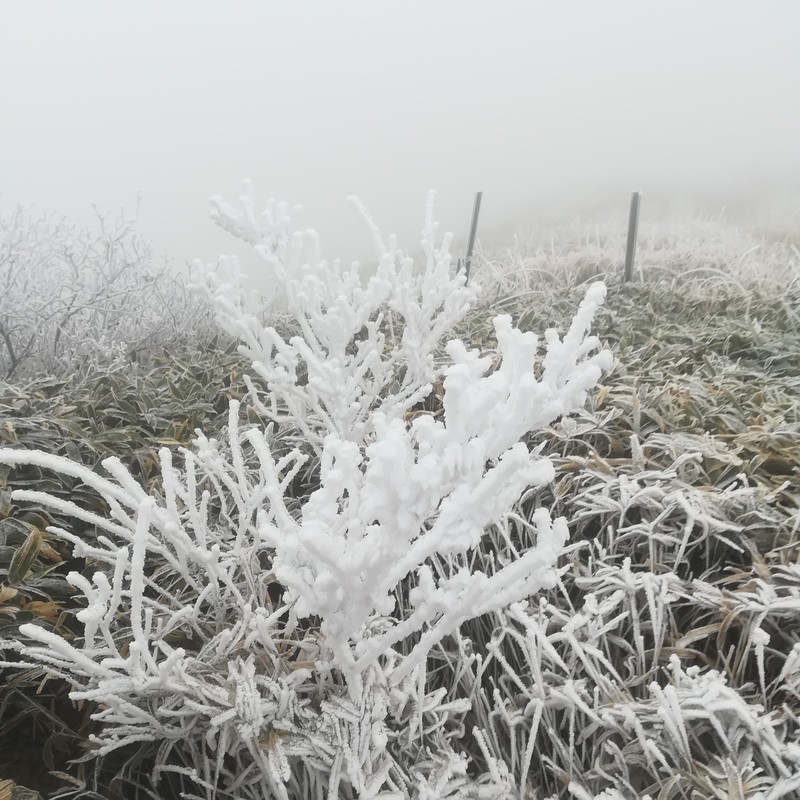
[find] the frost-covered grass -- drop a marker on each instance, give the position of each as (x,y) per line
(663,660)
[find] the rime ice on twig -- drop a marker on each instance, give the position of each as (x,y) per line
(342,369)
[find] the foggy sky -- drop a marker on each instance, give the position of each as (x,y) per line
(546,107)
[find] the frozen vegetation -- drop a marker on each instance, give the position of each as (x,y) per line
(429,556)
(77,298)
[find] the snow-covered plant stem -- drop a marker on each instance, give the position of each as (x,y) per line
(181,641)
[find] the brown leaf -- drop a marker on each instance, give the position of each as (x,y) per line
(7,593)
(44,609)
(50,553)
(24,556)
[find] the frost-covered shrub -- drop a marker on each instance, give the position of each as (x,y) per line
(73,298)
(366,346)
(183,642)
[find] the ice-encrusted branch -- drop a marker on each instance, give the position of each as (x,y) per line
(344,367)
(432,488)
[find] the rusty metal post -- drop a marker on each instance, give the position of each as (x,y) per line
(473,229)
(633,232)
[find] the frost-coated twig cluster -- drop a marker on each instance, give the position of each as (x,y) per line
(342,369)
(183,644)
(78,298)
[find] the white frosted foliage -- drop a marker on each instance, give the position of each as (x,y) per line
(394,497)
(347,364)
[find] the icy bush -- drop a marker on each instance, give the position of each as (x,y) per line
(182,643)
(74,298)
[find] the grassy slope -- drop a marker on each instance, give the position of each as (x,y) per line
(680,481)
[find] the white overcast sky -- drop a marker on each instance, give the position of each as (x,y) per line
(545,106)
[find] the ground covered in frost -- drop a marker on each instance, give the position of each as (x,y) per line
(666,659)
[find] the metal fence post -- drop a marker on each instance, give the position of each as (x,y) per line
(473,229)
(633,231)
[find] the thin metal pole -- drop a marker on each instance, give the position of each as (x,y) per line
(473,229)
(633,232)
